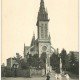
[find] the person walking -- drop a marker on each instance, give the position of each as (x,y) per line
(48,77)
(67,76)
(56,76)
(60,77)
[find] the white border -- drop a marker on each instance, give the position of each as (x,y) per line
(78,35)
(0,39)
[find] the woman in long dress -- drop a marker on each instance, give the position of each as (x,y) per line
(67,76)
(57,76)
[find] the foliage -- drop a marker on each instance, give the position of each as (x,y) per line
(43,57)
(18,59)
(7,72)
(24,65)
(54,62)
(35,61)
(63,56)
(74,64)
(30,60)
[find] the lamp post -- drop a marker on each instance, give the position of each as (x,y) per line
(30,71)
(60,66)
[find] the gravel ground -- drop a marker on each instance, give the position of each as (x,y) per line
(52,77)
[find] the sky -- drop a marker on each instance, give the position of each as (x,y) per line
(19,19)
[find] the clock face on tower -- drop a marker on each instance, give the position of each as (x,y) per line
(44,48)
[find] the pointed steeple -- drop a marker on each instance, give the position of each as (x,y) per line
(24,46)
(33,36)
(24,50)
(33,40)
(42,7)
(42,14)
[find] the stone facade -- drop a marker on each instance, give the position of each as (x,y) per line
(42,44)
(10,62)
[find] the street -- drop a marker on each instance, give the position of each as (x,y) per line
(36,78)
(39,78)
(53,76)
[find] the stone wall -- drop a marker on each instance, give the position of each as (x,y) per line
(15,73)
(23,73)
(34,72)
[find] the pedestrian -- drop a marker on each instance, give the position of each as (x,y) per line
(67,76)
(48,77)
(56,76)
(60,77)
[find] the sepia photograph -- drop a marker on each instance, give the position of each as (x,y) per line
(40,40)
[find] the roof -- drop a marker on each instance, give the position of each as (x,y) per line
(11,58)
(27,47)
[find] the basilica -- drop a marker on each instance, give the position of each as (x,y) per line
(41,45)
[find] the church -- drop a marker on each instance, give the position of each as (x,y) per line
(41,45)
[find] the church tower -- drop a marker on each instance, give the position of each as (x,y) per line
(44,44)
(42,22)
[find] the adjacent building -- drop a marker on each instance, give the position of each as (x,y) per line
(11,62)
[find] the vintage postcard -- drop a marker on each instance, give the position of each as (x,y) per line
(40,40)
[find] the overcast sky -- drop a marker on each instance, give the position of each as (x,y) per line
(19,19)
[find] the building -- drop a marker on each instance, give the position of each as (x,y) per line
(3,70)
(11,62)
(3,65)
(41,45)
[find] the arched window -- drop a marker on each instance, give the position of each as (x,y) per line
(42,36)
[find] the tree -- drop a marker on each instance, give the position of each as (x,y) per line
(43,57)
(30,60)
(43,60)
(63,56)
(74,64)
(77,68)
(72,58)
(35,62)
(24,64)
(18,59)
(42,64)
(54,62)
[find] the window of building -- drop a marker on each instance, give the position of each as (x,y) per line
(42,24)
(45,32)
(42,36)
(45,24)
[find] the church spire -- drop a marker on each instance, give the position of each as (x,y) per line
(33,40)
(42,7)
(33,34)
(24,50)
(42,14)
